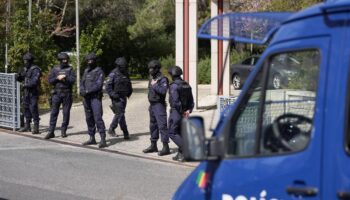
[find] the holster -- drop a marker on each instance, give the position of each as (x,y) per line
(114,108)
(52,92)
(86,106)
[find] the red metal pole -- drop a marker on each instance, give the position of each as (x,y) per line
(220,50)
(186,41)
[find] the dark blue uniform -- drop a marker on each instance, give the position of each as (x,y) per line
(30,77)
(176,112)
(157,109)
(91,86)
(62,95)
(119,98)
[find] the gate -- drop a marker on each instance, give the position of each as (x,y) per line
(9,101)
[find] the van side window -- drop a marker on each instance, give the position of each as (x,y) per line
(288,112)
(243,132)
(281,119)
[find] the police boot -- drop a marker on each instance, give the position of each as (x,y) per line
(111,132)
(103,143)
(165,150)
(176,156)
(91,141)
(63,133)
(35,129)
(126,136)
(152,148)
(181,157)
(26,128)
(51,134)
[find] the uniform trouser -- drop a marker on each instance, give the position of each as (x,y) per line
(119,117)
(174,127)
(158,122)
(93,115)
(66,100)
(30,104)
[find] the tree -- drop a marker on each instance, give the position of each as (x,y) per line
(153,33)
(35,37)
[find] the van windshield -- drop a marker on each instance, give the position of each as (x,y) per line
(283,116)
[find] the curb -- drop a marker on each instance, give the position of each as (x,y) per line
(120,152)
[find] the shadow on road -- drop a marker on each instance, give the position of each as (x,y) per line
(120,138)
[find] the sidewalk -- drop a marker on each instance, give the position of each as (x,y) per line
(137,117)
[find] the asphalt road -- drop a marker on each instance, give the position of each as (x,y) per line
(36,169)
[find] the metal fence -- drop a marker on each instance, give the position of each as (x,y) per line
(9,101)
(224,102)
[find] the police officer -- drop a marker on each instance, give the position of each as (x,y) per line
(181,105)
(157,89)
(119,88)
(91,89)
(30,77)
(62,77)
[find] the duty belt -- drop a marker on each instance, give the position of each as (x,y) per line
(58,90)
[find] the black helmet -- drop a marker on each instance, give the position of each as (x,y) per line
(90,56)
(62,56)
(154,64)
(28,56)
(121,61)
(175,71)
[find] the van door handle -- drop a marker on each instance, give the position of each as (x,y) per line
(343,195)
(302,191)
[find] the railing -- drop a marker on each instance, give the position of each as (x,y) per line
(9,101)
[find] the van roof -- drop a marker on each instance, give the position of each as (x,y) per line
(321,8)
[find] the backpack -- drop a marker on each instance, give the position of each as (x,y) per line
(122,85)
(185,94)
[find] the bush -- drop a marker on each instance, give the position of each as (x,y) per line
(236,56)
(204,70)
(167,62)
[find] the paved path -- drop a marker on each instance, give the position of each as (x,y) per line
(34,169)
(137,117)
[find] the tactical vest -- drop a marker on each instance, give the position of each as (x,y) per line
(185,95)
(154,97)
(63,86)
(90,78)
(29,76)
(122,85)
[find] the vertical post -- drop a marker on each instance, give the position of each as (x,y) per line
(193,49)
(220,51)
(251,44)
(77,43)
(214,52)
(30,13)
(8,9)
(13,89)
(186,40)
(226,80)
(179,33)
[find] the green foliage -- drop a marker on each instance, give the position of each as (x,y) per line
(92,40)
(236,56)
(295,5)
(204,70)
(167,62)
(35,38)
(152,34)
(306,71)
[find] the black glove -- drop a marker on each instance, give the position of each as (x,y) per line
(114,95)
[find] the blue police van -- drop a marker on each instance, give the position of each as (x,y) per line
(287,143)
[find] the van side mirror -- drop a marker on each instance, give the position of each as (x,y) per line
(192,130)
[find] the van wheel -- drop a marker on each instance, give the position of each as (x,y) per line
(276,81)
(236,82)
